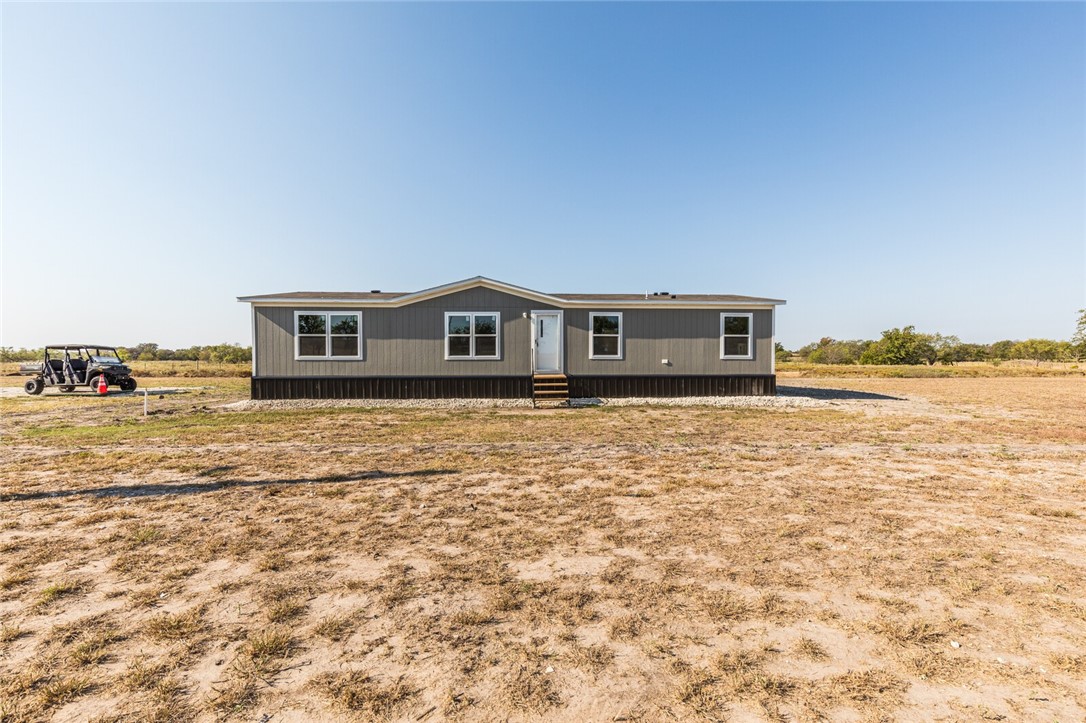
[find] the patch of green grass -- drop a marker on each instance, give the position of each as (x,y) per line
(146,535)
(140,675)
(267,648)
(59,692)
(283,611)
(190,426)
(10,632)
(92,650)
(335,627)
(60,589)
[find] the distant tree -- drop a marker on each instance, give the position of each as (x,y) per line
(1039,350)
(804,351)
(217,353)
(1002,349)
(971,352)
(226,354)
(144,351)
(900,346)
(1078,339)
(781,354)
(11,354)
(833,351)
(943,349)
(840,352)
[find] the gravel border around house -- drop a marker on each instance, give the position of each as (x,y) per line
(778,402)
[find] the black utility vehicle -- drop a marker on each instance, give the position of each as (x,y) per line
(68,366)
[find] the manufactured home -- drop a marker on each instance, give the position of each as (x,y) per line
(485,338)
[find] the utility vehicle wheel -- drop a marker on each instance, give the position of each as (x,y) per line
(92,383)
(34,386)
(67,389)
(128,384)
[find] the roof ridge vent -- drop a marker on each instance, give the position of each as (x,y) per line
(375,291)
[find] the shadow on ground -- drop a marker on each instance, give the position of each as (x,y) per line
(191,488)
(823,393)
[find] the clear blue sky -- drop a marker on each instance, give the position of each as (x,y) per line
(875,164)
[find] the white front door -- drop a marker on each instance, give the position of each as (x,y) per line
(547,341)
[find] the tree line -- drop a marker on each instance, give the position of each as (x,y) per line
(215,353)
(908,346)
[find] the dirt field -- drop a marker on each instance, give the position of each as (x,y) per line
(897,549)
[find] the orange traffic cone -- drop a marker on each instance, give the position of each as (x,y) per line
(103,386)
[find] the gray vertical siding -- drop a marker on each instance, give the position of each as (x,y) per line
(410,341)
(688,338)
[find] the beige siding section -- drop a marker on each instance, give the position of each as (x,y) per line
(688,338)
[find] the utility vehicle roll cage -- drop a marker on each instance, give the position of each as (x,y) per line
(67,372)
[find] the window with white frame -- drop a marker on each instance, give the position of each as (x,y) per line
(736,330)
(327,335)
(472,334)
(605,335)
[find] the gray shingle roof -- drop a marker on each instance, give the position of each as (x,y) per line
(360,295)
(395,297)
(364,295)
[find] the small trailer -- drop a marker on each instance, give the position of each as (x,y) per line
(67,366)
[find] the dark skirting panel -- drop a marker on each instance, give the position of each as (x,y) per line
(391,387)
(508,387)
(673,386)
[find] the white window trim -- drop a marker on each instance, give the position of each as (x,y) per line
(749,335)
(473,357)
(327,313)
(592,335)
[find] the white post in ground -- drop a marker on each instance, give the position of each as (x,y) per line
(145,402)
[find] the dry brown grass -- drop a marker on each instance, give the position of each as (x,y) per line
(358,692)
(917,557)
(1017,368)
(167,627)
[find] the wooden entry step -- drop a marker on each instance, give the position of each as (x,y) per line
(550,388)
